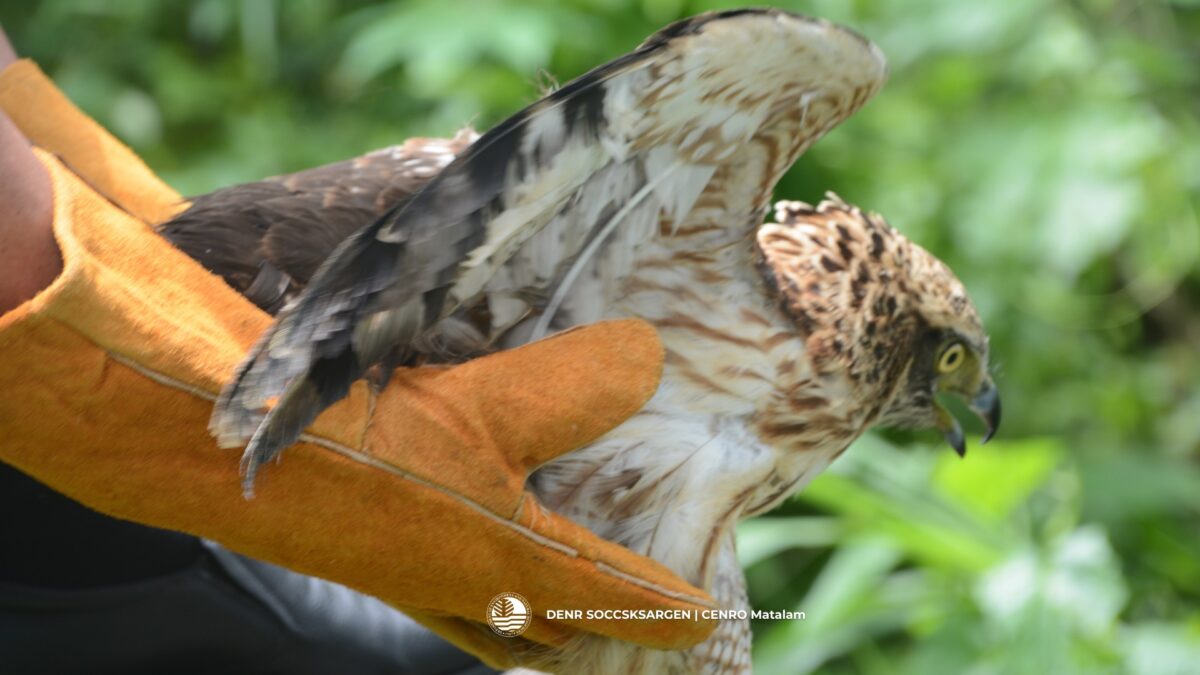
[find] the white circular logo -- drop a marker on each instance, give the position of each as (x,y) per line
(509,614)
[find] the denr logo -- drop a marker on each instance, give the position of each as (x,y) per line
(509,614)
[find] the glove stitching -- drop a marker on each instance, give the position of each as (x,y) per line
(161,378)
(362,458)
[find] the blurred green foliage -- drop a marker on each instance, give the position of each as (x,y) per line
(1049,151)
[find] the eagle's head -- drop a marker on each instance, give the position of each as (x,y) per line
(880,315)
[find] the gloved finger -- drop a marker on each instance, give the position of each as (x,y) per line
(544,399)
(612,577)
(455,553)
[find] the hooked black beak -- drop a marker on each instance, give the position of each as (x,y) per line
(986,405)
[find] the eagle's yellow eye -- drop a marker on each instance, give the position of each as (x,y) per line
(951,358)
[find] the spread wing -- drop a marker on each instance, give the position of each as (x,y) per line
(267,238)
(627,152)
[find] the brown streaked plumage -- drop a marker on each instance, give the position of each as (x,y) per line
(637,190)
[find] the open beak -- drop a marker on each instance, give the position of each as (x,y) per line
(951,430)
(986,405)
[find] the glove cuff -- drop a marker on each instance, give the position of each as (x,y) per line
(51,122)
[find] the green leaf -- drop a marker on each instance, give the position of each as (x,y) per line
(996,478)
(761,538)
(1161,649)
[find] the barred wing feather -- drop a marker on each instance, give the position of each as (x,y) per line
(699,122)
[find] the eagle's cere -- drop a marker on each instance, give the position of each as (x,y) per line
(639,189)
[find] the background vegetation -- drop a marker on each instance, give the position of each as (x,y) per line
(1048,150)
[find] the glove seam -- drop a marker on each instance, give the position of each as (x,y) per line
(161,378)
(363,458)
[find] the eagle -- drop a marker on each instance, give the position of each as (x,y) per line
(641,189)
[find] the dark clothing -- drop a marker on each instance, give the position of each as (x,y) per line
(84,593)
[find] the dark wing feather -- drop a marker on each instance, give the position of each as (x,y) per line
(267,238)
(576,180)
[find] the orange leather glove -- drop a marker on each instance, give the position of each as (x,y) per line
(415,496)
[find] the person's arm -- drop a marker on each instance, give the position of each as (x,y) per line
(29,258)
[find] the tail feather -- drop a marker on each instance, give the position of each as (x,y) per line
(325,383)
(312,338)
